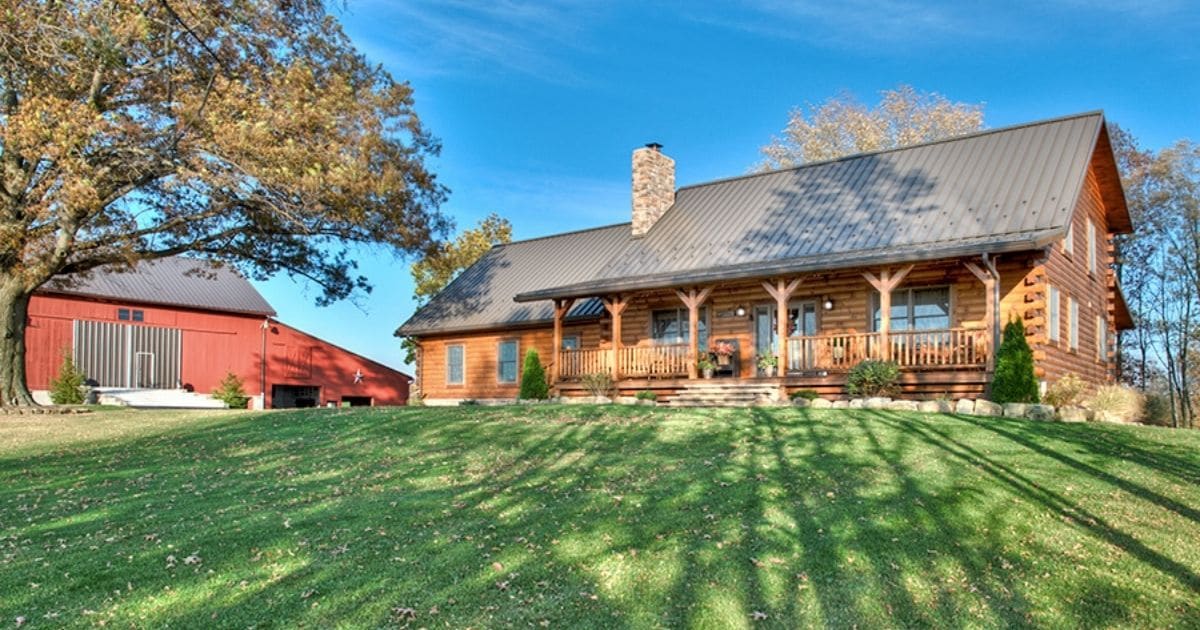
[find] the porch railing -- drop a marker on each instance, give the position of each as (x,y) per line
(576,363)
(947,348)
(634,361)
(950,348)
(954,347)
(653,361)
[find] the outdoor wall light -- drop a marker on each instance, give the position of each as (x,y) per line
(740,311)
(828,303)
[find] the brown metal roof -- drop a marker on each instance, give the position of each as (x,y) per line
(482,296)
(174,281)
(1001,190)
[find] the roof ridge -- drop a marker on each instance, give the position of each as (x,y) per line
(567,233)
(844,158)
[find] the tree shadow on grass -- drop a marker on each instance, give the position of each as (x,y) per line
(1034,491)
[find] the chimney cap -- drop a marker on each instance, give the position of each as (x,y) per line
(654,146)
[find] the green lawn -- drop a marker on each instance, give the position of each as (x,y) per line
(594,517)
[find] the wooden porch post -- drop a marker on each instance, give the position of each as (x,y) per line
(615,306)
(561,308)
(693,300)
(988,277)
(885,284)
(782,291)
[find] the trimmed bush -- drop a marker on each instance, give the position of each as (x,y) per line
(1014,381)
(872,378)
(230,392)
(646,394)
(67,387)
(533,380)
(806,394)
(1065,392)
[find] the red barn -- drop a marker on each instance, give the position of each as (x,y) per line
(178,323)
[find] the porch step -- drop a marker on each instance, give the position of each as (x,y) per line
(717,394)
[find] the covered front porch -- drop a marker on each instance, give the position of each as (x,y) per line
(935,320)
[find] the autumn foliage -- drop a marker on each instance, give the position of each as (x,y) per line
(250,132)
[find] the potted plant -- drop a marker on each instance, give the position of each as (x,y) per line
(767,363)
(707,367)
(723,350)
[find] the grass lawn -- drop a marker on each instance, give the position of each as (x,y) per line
(594,517)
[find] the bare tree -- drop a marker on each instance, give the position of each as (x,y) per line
(843,126)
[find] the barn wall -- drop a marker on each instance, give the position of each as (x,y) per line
(214,344)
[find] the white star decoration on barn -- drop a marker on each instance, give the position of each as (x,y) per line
(358,376)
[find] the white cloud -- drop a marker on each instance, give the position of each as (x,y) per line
(452,37)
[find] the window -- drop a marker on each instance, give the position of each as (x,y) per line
(671,326)
(1101,340)
(1069,239)
(1091,237)
(916,309)
(126,315)
(1053,316)
(570,342)
(1073,323)
(506,361)
(455,360)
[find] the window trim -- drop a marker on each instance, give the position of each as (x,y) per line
(1069,240)
(1072,324)
(516,361)
(578,341)
(463,370)
(1091,236)
(1101,340)
(1053,314)
(873,305)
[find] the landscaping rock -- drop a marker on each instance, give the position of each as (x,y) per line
(965,406)
(802,403)
(1108,416)
(588,400)
(856,403)
(1045,413)
(902,405)
(821,403)
(876,403)
(935,406)
(841,404)
(988,408)
(1015,410)
(1074,414)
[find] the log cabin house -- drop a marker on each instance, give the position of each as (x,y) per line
(917,255)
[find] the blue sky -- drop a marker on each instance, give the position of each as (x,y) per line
(539,104)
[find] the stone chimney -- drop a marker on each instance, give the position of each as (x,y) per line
(653,186)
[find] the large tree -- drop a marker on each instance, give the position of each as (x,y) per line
(242,130)
(843,126)
(1159,270)
(442,263)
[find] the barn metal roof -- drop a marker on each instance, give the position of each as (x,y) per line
(1000,190)
(482,296)
(174,281)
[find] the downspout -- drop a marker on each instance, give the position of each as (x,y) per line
(262,378)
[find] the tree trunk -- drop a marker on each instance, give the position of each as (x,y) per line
(14,304)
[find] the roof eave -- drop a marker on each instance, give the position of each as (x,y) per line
(800,265)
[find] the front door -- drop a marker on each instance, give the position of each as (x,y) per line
(802,322)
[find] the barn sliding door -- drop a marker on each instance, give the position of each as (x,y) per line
(124,355)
